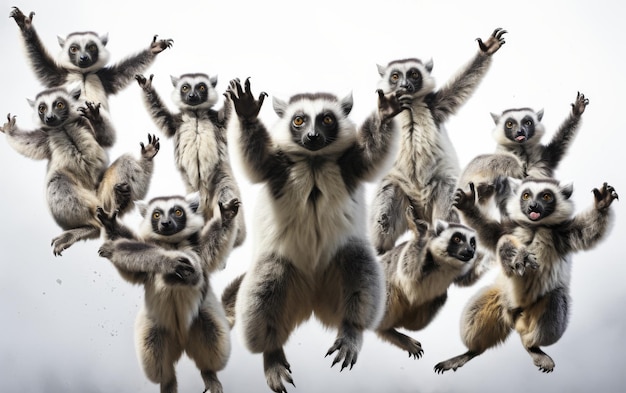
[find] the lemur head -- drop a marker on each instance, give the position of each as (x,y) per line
(411,75)
(170,219)
(454,240)
(541,202)
(83,51)
(55,107)
(518,126)
(194,91)
(314,124)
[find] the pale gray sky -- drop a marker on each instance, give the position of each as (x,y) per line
(67,322)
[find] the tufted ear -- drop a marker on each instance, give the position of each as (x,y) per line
(75,93)
(346,104)
(142,206)
(61,41)
(440,226)
(213,80)
(540,115)
(174,80)
(193,200)
(567,190)
(279,106)
(495,117)
(104,39)
(381,69)
(429,65)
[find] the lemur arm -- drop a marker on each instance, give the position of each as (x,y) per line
(116,77)
(102,127)
(136,261)
(557,148)
(588,228)
(447,100)
(44,65)
(164,119)
(489,230)
(218,235)
(31,144)
(374,141)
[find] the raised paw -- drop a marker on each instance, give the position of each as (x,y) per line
(151,149)
(144,83)
(388,106)
(494,42)
(246,106)
(91,112)
(160,45)
(419,226)
(9,126)
(515,260)
(109,222)
(578,107)
(23,22)
(183,269)
(465,200)
(229,210)
(347,349)
(604,196)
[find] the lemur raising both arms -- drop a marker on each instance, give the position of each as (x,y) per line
(312,252)
(78,177)
(519,153)
(172,256)
(426,168)
(199,133)
(83,61)
(418,273)
(533,243)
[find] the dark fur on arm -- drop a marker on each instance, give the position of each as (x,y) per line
(31,144)
(164,119)
(217,236)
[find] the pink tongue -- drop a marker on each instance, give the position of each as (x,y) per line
(520,138)
(534,215)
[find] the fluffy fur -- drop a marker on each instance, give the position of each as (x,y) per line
(172,256)
(82,62)
(199,133)
(426,169)
(533,244)
(418,273)
(312,250)
(77,177)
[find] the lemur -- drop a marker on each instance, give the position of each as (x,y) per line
(172,256)
(519,153)
(533,243)
(200,146)
(83,61)
(312,252)
(418,273)
(78,177)
(426,169)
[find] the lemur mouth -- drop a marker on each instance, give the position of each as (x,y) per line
(534,216)
(520,138)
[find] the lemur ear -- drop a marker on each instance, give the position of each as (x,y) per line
(279,106)
(346,104)
(429,65)
(440,226)
(381,69)
(213,80)
(567,190)
(174,80)
(193,200)
(104,38)
(142,206)
(540,115)
(495,117)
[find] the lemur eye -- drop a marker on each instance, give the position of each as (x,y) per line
(41,108)
(202,87)
(509,124)
(185,88)
(156,215)
(178,213)
(328,120)
(73,49)
(394,77)
(298,121)
(60,105)
(92,48)
(456,239)
(528,123)
(525,196)
(414,75)
(547,197)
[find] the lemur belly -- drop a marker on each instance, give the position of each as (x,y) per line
(196,151)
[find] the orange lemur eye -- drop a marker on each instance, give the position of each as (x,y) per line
(456,239)
(394,77)
(60,105)
(547,197)
(328,120)
(528,123)
(156,215)
(92,48)
(185,88)
(509,124)
(525,196)
(41,108)
(298,121)
(202,87)
(74,49)
(178,212)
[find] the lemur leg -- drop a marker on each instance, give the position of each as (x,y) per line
(402,341)
(229,299)
(158,351)
(209,342)
(351,296)
(543,324)
(388,221)
(272,300)
(485,323)
(71,236)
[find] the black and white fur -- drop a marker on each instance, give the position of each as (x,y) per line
(312,253)
(83,61)
(418,273)
(78,177)
(172,256)
(426,169)
(200,142)
(533,244)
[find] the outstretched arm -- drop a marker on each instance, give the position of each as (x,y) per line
(489,231)
(101,125)
(587,229)
(566,133)
(46,69)
(164,119)
(116,77)
(374,140)
(447,100)
(218,235)
(31,144)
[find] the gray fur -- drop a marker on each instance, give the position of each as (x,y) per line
(312,250)
(200,145)
(418,273)
(181,312)
(78,177)
(426,169)
(533,243)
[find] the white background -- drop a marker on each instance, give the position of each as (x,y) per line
(67,322)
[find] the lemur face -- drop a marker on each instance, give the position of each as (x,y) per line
(84,51)
(170,219)
(541,201)
(518,126)
(409,76)
(194,90)
(55,107)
